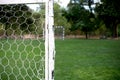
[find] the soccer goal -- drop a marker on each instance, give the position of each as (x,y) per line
(59,32)
(27,48)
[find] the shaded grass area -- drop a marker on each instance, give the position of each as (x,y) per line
(87,59)
(21,59)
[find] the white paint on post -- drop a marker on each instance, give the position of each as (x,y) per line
(20,1)
(46,42)
(49,41)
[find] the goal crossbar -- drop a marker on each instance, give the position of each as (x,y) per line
(21,1)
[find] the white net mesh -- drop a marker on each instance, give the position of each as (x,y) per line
(21,42)
(59,32)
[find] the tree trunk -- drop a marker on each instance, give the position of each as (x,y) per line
(115,31)
(86,35)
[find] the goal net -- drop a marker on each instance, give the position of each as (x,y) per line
(22,44)
(59,32)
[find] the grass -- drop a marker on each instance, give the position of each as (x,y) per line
(87,59)
(75,59)
(21,59)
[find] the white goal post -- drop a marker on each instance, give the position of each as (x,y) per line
(21,1)
(49,33)
(49,41)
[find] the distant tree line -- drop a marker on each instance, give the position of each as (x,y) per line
(104,19)
(109,12)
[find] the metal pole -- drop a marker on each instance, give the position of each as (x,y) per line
(63,32)
(49,41)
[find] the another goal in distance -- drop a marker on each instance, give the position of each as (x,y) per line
(59,32)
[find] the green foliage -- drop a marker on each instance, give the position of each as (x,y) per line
(74,15)
(1,29)
(39,22)
(16,18)
(109,12)
(59,19)
(39,17)
(80,18)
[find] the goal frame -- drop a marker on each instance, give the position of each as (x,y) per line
(49,33)
(62,33)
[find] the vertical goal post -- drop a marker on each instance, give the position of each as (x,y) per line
(49,41)
(49,33)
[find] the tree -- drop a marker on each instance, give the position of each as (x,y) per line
(39,17)
(80,18)
(109,12)
(59,19)
(16,18)
(74,14)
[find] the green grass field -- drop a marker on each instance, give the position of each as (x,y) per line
(87,59)
(21,59)
(76,59)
